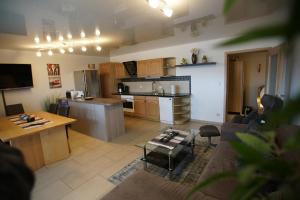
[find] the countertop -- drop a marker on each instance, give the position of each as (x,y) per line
(155,95)
(100,101)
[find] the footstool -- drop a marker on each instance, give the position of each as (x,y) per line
(209,131)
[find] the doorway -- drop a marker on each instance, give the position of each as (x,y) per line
(246,80)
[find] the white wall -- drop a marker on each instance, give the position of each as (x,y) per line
(208,82)
(32,99)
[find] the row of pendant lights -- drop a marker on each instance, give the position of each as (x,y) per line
(64,43)
(163,4)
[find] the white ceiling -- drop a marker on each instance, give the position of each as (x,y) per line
(122,22)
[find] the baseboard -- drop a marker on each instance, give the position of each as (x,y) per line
(207,122)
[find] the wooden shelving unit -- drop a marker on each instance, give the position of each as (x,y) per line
(181,110)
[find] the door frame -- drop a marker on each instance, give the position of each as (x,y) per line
(226,57)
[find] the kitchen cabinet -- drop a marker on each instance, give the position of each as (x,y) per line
(109,72)
(139,106)
(120,71)
(142,68)
(152,108)
(152,68)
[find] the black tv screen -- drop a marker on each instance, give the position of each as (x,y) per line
(14,76)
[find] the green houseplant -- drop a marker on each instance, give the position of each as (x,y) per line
(263,160)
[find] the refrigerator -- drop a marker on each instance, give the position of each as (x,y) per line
(88,81)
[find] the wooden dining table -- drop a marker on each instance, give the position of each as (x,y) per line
(40,144)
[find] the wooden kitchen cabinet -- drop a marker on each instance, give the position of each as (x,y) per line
(156,67)
(139,106)
(142,68)
(109,72)
(152,108)
(152,68)
(120,71)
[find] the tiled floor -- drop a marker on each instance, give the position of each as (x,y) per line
(83,176)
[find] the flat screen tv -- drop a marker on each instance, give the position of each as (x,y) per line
(13,76)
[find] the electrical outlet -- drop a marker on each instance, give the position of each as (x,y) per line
(218,114)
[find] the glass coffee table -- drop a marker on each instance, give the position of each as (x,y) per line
(166,155)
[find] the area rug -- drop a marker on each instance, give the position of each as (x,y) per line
(187,173)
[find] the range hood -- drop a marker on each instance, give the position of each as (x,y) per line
(131,68)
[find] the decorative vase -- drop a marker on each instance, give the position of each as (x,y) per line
(204,59)
(194,58)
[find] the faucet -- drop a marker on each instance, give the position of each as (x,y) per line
(154,87)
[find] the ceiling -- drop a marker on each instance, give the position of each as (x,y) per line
(122,22)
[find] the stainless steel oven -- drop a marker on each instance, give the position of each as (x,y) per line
(128,103)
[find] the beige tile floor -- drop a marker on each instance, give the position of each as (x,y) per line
(83,176)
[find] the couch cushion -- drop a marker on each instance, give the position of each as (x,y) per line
(229,129)
(146,186)
(223,159)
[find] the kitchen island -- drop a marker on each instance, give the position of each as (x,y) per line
(101,118)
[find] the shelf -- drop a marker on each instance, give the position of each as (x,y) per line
(198,64)
(182,112)
(182,105)
(181,121)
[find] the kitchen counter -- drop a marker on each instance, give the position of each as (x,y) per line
(99,101)
(154,95)
(102,118)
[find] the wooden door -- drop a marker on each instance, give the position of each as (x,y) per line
(152,108)
(142,67)
(120,71)
(139,106)
(107,78)
(156,67)
(235,92)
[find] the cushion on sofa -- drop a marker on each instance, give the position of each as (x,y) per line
(146,186)
(229,129)
(223,159)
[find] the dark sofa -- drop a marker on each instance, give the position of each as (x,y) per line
(146,186)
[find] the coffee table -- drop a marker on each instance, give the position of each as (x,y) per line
(169,157)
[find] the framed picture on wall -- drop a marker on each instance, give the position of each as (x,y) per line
(54,76)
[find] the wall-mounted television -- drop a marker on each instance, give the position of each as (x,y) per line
(13,76)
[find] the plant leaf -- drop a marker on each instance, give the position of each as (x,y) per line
(278,30)
(247,153)
(210,181)
(247,191)
(245,174)
(228,5)
(255,142)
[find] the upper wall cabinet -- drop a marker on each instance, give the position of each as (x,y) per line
(151,68)
(120,71)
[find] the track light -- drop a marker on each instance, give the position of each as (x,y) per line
(62,51)
(61,38)
(97,32)
(153,3)
(48,38)
(69,36)
(82,34)
(98,48)
(83,49)
(50,53)
(71,50)
(167,11)
(37,40)
(38,54)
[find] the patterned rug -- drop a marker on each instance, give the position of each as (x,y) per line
(187,172)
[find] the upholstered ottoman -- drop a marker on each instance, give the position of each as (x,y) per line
(209,131)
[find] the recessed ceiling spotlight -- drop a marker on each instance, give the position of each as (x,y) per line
(70,49)
(50,53)
(83,49)
(61,38)
(153,3)
(37,40)
(82,34)
(167,11)
(98,48)
(38,54)
(69,36)
(97,32)
(62,51)
(48,38)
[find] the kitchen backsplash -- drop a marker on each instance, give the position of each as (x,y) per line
(141,86)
